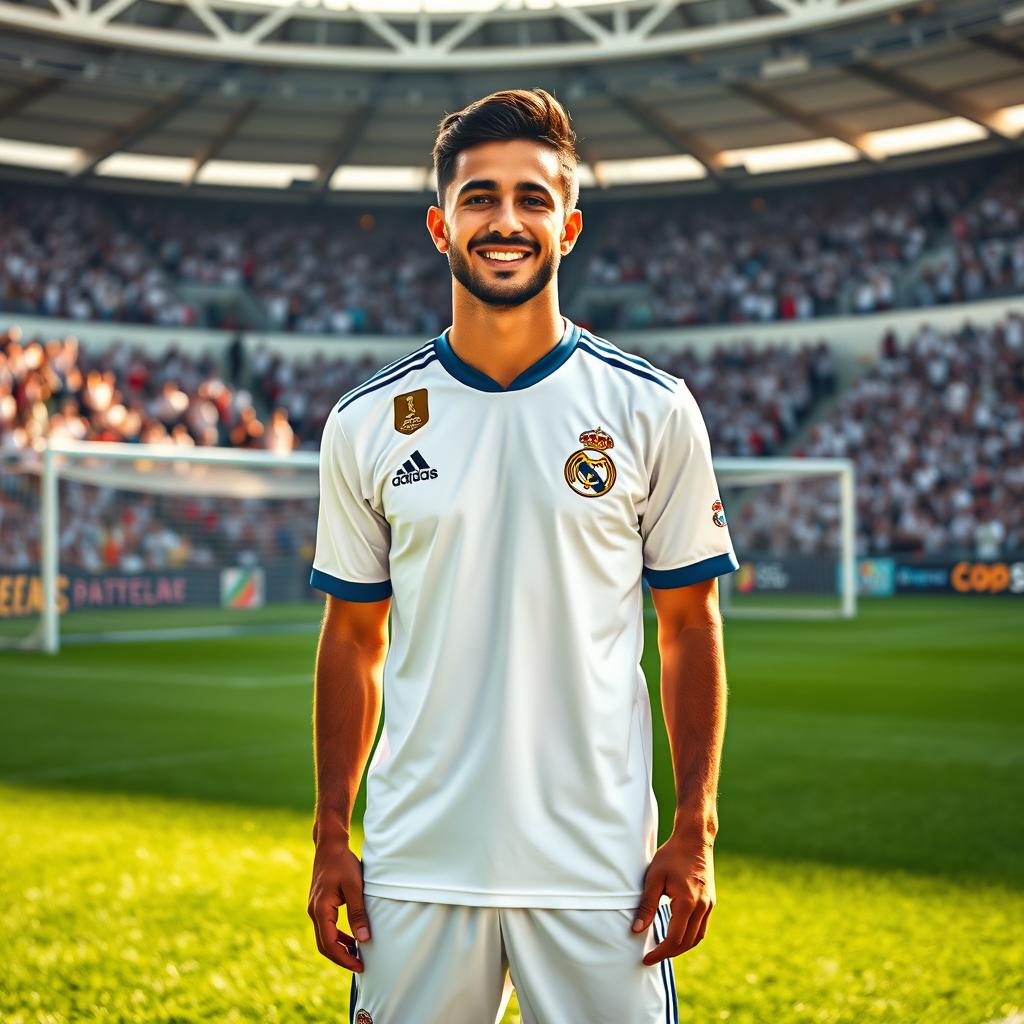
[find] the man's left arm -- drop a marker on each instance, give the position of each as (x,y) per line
(693,691)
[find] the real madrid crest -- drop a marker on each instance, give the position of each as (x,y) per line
(590,471)
(411,411)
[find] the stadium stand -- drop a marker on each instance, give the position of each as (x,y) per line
(988,257)
(780,255)
(854,246)
(66,254)
(936,430)
(314,272)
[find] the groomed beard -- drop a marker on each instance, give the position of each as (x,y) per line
(499,292)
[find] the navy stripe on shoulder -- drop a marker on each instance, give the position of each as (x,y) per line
(629,367)
(393,365)
(403,372)
(613,350)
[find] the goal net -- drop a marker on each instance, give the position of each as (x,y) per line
(134,541)
(792,522)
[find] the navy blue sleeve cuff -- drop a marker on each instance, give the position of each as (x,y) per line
(347,590)
(668,579)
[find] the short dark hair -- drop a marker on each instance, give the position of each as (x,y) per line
(510,114)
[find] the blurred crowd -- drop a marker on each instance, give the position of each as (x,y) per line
(66,254)
(57,388)
(781,254)
(753,399)
(785,255)
(987,256)
(313,272)
(936,431)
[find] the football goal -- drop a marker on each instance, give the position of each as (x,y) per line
(793,525)
(135,541)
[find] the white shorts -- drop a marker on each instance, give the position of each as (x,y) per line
(437,963)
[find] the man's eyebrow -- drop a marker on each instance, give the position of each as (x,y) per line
(490,185)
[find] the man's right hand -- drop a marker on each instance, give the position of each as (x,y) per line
(338,881)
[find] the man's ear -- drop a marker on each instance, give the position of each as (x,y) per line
(571,231)
(435,226)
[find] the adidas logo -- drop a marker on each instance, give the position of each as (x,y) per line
(414,468)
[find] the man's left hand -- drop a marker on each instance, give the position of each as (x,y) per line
(684,870)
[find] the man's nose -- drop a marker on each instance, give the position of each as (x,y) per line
(506,218)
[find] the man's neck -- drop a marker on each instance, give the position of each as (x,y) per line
(505,344)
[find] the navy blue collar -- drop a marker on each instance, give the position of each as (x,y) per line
(545,366)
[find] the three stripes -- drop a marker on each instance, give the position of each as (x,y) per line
(415,462)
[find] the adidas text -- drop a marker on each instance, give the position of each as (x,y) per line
(411,478)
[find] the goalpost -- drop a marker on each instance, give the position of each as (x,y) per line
(793,524)
(132,541)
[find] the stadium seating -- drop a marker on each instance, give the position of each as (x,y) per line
(68,254)
(852,246)
(936,430)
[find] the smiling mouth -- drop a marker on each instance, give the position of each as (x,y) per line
(504,263)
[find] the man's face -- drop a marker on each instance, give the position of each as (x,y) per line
(506,199)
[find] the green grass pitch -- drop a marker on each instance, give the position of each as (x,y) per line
(155,806)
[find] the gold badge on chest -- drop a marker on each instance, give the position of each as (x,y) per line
(590,471)
(411,411)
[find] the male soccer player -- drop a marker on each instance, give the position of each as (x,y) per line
(501,491)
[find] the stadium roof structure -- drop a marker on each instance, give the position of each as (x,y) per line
(330,98)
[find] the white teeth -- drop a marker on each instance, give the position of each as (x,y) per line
(507,257)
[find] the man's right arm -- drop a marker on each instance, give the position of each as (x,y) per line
(346,709)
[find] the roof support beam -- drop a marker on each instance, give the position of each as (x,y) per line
(214,145)
(593,161)
(354,128)
(821,126)
(683,141)
(948,102)
(1004,47)
(130,133)
(24,97)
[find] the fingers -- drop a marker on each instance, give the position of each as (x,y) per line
(357,918)
(703,928)
(335,945)
(684,930)
(654,887)
(671,944)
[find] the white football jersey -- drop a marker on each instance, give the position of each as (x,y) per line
(511,529)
